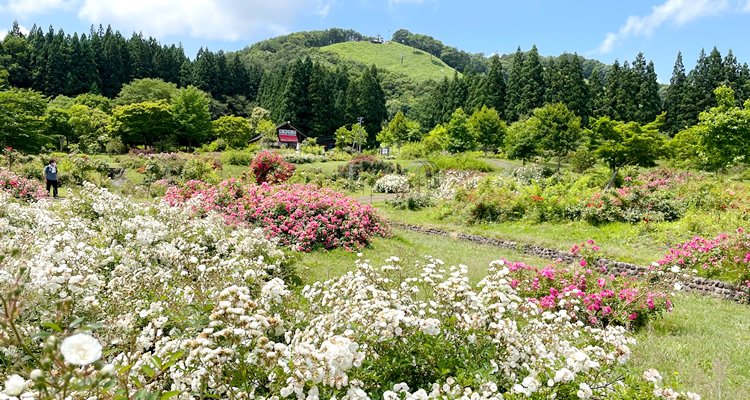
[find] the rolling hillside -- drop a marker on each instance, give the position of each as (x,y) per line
(393,57)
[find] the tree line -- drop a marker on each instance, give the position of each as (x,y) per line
(319,95)
(627,91)
(55,63)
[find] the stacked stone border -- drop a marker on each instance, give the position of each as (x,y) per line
(689,283)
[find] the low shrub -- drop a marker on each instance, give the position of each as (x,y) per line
(412,201)
(21,188)
(301,158)
(199,169)
(588,292)
(270,167)
(726,257)
(365,164)
(413,150)
(391,183)
(237,157)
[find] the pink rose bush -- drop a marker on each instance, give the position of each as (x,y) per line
(302,216)
(21,188)
(589,293)
(725,257)
(270,167)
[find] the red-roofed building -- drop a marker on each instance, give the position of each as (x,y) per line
(289,136)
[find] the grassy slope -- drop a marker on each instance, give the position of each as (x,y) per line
(417,64)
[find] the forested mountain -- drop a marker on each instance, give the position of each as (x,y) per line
(296,78)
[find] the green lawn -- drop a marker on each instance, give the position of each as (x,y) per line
(409,247)
(702,346)
(394,57)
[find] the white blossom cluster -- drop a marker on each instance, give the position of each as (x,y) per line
(190,307)
(391,183)
(452,181)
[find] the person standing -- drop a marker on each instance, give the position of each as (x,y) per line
(50,177)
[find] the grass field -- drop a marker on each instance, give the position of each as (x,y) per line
(409,247)
(394,57)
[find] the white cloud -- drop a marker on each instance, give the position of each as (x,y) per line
(746,8)
(214,19)
(205,19)
(678,12)
(28,7)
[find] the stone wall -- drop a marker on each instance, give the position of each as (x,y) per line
(688,282)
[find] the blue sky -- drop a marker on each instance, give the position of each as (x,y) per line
(606,30)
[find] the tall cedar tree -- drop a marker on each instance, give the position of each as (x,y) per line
(565,84)
(677,102)
(515,87)
(495,85)
(372,103)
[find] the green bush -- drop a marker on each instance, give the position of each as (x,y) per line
(365,164)
(115,146)
(237,157)
(464,162)
(199,169)
(412,201)
(582,160)
(413,150)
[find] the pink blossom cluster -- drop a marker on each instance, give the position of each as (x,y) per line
(20,187)
(726,256)
(591,295)
(302,216)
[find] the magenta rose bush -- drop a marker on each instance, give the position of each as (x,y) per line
(725,257)
(301,216)
(270,167)
(588,292)
(20,187)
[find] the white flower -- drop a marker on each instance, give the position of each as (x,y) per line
(564,375)
(652,376)
(81,349)
(692,396)
(675,269)
(431,326)
(108,370)
(677,286)
(36,374)
(14,385)
(584,391)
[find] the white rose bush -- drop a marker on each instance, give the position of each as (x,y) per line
(104,298)
(391,183)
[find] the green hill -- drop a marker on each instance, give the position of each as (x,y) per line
(393,57)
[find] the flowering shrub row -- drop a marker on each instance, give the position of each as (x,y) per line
(113,299)
(391,183)
(591,294)
(21,188)
(661,195)
(726,257)
(301,216)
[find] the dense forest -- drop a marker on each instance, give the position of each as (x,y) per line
(292,81)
